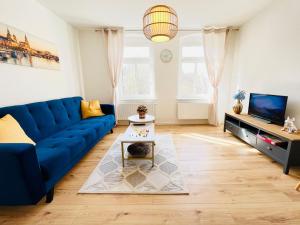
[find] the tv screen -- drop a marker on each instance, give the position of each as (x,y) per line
(268,107)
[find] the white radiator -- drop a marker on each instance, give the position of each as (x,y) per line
(187,110)
(128,109)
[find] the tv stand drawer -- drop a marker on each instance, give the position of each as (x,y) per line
(275,152)
(248,137)
(232,128)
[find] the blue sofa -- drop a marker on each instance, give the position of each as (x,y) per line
(28,172)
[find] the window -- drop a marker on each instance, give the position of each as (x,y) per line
(137,78)
(193,81)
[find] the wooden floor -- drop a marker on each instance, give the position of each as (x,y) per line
(229,183)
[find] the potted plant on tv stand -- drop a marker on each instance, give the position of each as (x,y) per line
(239,97)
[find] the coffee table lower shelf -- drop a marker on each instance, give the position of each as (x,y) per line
(152,143)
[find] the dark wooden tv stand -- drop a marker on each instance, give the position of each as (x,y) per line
(247,128)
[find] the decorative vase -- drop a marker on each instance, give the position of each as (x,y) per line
(238,107)
(142,115)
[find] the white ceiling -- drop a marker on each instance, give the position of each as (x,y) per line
(129,13)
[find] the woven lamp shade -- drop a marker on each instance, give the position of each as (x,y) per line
(160,23)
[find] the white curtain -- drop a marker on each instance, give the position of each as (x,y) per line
(214,42)
(115,44)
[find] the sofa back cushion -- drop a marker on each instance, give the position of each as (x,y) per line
(41,119)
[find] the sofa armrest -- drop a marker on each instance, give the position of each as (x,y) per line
(21,179)
(108,108)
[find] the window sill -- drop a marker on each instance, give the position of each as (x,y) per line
(203,101)
(138,101)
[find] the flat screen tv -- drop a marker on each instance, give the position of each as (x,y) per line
(268,107)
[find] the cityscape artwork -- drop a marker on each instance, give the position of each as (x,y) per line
(20,48)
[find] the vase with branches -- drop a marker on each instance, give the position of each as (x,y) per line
(239,96)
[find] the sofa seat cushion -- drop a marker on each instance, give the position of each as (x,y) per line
(87,131)
(75,143)
(55,153)
(59,150)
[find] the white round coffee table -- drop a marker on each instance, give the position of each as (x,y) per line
(135,119)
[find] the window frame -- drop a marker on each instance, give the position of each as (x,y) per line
(191,43)
(137,40)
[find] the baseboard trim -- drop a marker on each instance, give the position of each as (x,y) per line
(179,122)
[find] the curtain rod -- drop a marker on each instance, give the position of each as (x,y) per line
(132,30)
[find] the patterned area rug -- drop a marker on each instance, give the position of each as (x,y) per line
(138,176)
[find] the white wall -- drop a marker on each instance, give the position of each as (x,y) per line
(21,84)
(166,75)
(98,85)
(268,54)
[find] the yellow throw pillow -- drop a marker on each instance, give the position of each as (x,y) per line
(90,109)
(12,132)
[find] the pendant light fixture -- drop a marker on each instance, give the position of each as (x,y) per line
(160,23)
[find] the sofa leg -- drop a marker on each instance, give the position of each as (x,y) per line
(111,131)
(49,196)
